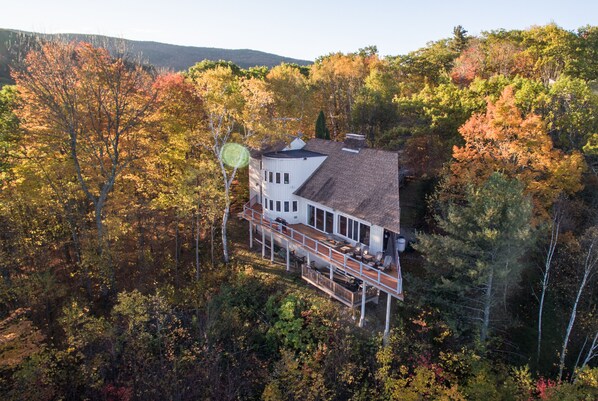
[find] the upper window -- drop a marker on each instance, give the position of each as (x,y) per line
(278,206)
(265,203)
(286,178)
(265,175)
(294,206)
(278,178)
(286,206)
(270,175)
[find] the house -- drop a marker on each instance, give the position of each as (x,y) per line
(335,204)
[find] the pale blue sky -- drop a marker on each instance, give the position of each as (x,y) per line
(302,29)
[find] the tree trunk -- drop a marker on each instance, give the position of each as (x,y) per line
(224,230)
(197,228)
(176,255)
(546,274)
(487,306)
(572,321)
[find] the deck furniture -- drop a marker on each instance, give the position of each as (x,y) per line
(386,264)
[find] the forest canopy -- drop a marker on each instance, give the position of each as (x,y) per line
(124,273)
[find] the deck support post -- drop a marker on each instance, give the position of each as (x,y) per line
(250,235)
(308,261)
(387,325)
(263,243)
(331,268)
(362,317)
(288,256)
(271,247)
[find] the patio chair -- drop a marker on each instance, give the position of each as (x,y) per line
(386,264)
(377,259)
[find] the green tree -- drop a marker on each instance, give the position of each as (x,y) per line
(322,131)
(479,248)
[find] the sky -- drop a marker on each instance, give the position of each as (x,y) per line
(303,29)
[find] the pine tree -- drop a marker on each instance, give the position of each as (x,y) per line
(479,249)
(322,131)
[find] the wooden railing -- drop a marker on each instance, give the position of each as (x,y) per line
(352,266)
(320,280)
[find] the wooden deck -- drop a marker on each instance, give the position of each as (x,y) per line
(310,240)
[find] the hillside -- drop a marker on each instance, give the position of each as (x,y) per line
(161,55)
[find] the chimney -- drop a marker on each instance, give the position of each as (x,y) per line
(354,142)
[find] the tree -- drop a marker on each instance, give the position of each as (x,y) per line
(80,101)
(555,226)
(237,110)
(479,247)
(519,147)
(322,131)
(589,263)
(292,98)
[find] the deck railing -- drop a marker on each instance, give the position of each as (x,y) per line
(350,265)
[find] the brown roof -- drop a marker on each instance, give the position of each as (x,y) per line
(364,184)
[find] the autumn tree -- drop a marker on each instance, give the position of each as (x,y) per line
(518,146)
(337,79)
(293,106)
(80,101)
(237,111)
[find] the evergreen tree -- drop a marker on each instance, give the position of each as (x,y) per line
(322,131)
(479,249)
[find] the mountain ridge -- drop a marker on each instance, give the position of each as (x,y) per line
(161,55)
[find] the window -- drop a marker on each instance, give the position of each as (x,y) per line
(265,175)
(271,204)
(278,178)
(286,206)
(266,203)
(354,230)
(318,218)
(342,225)
(364,234)
(311,213)
(286,178)
(294,206)
(329,223)
(278,206)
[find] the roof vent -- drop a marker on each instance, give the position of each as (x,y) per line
(354,142)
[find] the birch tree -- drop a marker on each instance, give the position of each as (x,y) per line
(237,112)
(554,237)
(589,267)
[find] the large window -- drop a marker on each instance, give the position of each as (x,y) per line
(354,230)
(320,219)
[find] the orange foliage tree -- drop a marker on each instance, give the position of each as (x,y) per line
(81,103)
(518,146)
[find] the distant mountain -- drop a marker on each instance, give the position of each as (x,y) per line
(161,55)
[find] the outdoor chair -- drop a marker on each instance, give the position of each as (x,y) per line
(386,264)
(377,259)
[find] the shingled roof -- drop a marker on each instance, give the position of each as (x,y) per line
(363,184)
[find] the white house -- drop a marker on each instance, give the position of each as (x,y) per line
(322,198)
